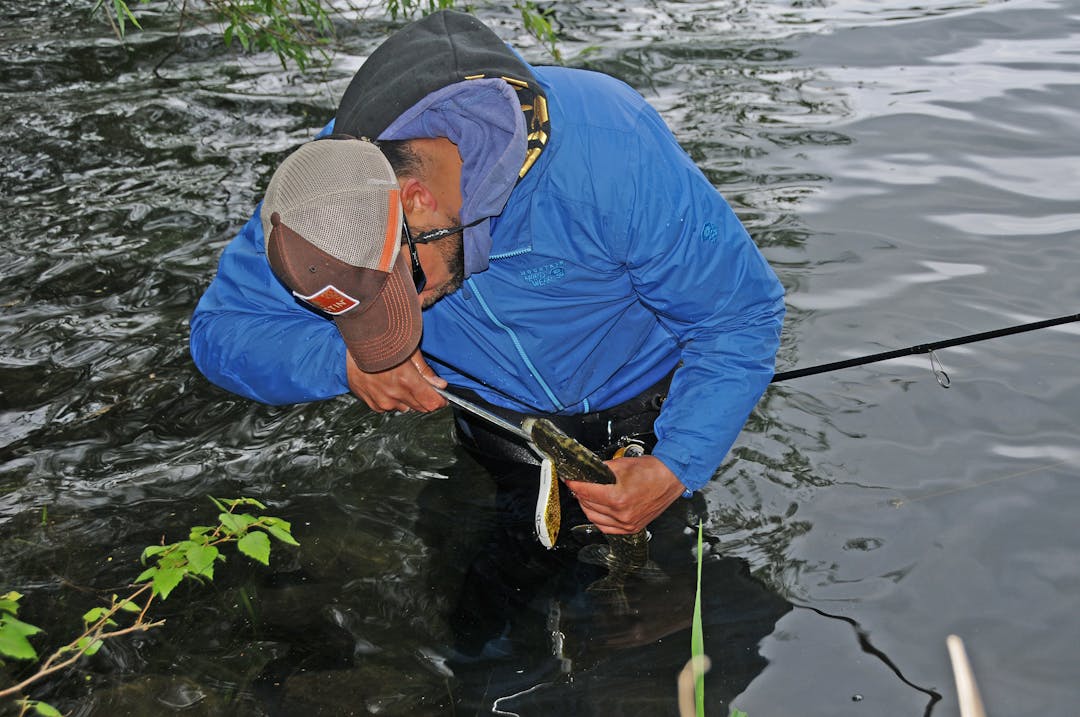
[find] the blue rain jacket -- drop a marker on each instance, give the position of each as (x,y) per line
(613,261)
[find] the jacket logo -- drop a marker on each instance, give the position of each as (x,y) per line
(544,275)
(709,232)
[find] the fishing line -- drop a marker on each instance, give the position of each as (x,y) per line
(900,502)
(935,364)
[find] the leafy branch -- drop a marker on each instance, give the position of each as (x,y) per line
(301,31)
(295,30)
(193,559)
(539,24)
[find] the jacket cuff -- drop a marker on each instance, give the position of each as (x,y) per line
(680,461)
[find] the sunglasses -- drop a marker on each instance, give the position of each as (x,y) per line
(418,275)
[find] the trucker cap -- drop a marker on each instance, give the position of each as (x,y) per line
(332,220)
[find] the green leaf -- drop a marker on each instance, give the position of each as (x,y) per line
(538,23)
(236,524)
(13,642)
(242,36)
(20,627)
(92,616)
(165,579)
(736,712)
(153,550)
(198,533)
(89,645)
(41,708)
(255,545)
(280,529)
(46,710)
(123,11)
(126,605)
(282,535)
(16,647)
(201,559)
(9,602)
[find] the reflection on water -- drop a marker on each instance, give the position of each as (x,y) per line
(910,171)
(890,286)
(522,633)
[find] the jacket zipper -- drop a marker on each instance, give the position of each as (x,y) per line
(517,344)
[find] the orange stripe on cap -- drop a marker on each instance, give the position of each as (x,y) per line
(393,232)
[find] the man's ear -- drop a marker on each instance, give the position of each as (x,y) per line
(417,199)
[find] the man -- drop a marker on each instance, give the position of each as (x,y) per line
(597,273)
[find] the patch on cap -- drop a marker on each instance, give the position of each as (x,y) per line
(331,300)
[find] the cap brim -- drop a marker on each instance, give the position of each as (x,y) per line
(386,332)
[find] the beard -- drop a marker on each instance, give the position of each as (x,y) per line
(452,251)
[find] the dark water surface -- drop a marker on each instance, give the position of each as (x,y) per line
(912,171)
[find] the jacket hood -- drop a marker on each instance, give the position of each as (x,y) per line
(483,118)
(438,50)
(448,75)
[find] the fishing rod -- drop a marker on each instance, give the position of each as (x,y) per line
(943,378)
(929,348)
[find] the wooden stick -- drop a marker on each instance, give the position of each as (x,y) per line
(697,665)
(967,691)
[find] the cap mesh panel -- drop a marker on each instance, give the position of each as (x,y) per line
(335,193)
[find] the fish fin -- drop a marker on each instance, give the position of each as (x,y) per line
(548,514)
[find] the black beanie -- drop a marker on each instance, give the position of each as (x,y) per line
(440,49)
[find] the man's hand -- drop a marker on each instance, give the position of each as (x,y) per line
(644,488)
(405,387)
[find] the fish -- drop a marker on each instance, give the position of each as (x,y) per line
(548,517)
(625,556)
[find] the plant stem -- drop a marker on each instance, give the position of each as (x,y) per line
(97,632)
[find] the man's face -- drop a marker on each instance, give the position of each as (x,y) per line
(431,199)
(443,261)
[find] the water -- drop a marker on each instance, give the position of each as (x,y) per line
(911,171)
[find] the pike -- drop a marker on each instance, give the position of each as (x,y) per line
(564,458)
(624,556)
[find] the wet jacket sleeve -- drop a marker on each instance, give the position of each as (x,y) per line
(695,266)
(250,336)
